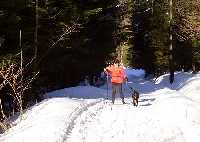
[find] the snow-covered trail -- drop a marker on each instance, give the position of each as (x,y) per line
(166,113)
(105,122)
(163,115)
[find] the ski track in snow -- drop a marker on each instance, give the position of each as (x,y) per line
(103,122)
(92,123)
(75,115)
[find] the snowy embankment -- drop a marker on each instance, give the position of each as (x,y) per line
(49,120)
(166,113)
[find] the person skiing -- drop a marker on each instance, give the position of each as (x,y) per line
(118,76)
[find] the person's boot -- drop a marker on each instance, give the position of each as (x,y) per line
(123,101)
(113,99)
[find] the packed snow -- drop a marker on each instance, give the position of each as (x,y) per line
(166,113)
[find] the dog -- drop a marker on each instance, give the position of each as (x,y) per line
(135,97)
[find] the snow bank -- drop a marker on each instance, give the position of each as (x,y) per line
(85,92)
(135,72)
(45,122)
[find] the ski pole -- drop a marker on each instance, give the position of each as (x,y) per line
(107,86)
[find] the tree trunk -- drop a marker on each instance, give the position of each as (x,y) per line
(171,64)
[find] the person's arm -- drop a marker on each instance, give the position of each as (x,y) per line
(107,70)
(124,75)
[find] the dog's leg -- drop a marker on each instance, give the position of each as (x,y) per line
(133,100)
(134,103)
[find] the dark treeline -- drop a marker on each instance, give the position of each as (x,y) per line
(62,41)
(152,35)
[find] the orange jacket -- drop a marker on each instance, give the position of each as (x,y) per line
(117,73)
